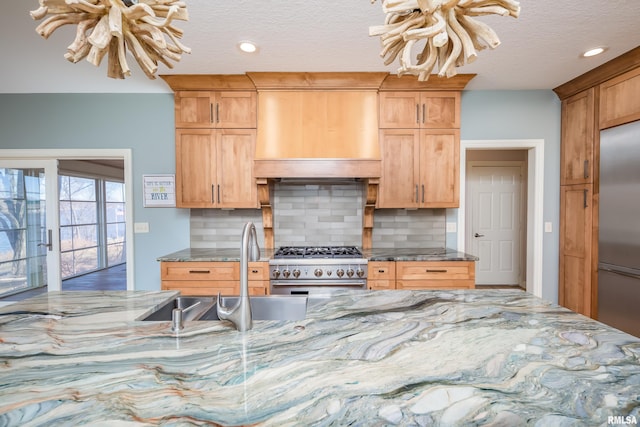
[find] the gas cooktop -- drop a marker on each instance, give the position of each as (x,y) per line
(317,252)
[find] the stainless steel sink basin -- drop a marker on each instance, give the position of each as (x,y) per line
(192,308)
(271,307)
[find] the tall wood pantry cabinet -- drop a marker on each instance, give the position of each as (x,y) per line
(420,149)
(602,98)
(216,119)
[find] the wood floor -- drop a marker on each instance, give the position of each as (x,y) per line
(109,279)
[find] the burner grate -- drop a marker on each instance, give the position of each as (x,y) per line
(318,252)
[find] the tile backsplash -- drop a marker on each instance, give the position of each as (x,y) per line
(322,214)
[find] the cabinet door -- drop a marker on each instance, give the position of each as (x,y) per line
(195,168)
(578,130)
(412,110)
(619,100)
(440,110)
(235,110)
(382,275)
(235,185)
(400,169)
(400,110)
(194,109)
(440,168)
(575,248)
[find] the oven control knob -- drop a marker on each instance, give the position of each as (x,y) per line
(360,272)
(276,273)
(296,273)
(286,273)
(317,272)
(350,272)
(340,272)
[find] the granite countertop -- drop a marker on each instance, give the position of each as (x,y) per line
(375,254)
(473,357)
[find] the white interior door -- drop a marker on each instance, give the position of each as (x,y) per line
(494,222)
(29,232)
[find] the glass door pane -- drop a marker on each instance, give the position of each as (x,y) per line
(27,259)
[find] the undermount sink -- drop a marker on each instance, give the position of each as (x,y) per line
(192,308)
(271,307)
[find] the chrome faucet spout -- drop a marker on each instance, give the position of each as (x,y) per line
(240,313)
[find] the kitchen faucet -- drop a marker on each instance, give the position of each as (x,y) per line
(240,313)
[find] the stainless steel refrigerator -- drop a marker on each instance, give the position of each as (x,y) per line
(619,235)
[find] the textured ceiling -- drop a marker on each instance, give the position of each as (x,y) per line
(539,50)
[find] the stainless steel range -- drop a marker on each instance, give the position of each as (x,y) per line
(300,269)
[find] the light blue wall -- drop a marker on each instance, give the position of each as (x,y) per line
(144,123)
(522,115)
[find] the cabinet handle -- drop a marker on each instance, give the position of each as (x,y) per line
(381,271)
(254,271)
(199,271)
(585,198)
(417,113)
(210,113)
(417,193)
(586,168)
(435,271)
(424,113)
(217,113)
(422,193)
(219,201)
(213,193)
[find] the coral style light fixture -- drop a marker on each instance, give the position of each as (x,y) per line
(111,27)
(447,27)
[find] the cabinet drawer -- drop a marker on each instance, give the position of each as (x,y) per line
(382,270)
(197,271)
(432,270)
(259,270)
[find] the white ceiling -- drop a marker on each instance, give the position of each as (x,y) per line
(539,50)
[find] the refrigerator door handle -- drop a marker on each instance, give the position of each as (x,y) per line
(614,270)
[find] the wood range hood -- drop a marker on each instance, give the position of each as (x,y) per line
(317,126)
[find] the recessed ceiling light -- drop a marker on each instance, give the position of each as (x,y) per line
(248,47)
(594,52)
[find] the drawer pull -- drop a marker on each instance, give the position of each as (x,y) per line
(254,271)
(199,271)
(381,271)
(436,271)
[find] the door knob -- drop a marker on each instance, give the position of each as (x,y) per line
(478,235)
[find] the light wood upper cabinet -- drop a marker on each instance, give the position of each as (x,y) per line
(205,109)
(214,168)
(576,243)
(619,100)
(427,110)
(578,136)
(420,168)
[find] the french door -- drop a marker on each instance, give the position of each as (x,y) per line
(29,231)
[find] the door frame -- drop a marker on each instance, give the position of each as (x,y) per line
(90,154)
(523,217)
(535,200)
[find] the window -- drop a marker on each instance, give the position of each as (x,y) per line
(92,224)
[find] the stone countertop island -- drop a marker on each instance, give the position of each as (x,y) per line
(474,357)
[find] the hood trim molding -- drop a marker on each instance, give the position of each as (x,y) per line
(314,168)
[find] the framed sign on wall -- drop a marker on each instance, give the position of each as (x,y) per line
(159,191)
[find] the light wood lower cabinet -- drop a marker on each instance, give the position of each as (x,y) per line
(415,275)
(209,278)
(382,275)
